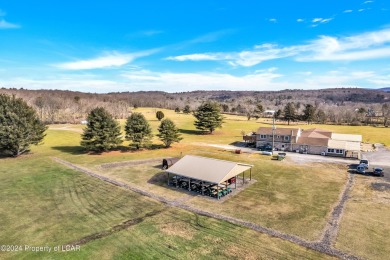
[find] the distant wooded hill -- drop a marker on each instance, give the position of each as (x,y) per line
(339,104)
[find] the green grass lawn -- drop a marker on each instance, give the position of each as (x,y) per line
(365,227)
(44,203)
(290,198)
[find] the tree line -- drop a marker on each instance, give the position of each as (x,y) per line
(21,127)
(335,106)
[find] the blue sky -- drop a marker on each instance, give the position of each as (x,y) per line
(108,46)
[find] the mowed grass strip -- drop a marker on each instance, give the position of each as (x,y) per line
(295,199)
(177,234)
(44,203)
(365,228)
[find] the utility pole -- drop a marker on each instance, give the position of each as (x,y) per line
(273,134)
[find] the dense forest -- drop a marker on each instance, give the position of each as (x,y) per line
(334,106)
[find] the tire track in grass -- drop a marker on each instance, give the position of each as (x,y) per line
(124,225)
(93,210)
(330,231)
(320,246)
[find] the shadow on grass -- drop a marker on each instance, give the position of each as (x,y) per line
(191,132)
(75,150)
(239,144)
(160,178)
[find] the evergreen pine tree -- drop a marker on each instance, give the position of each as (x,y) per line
(309,113)
(208,117)
(102,132)
(168,133)
(138,131)
(187,109)
(20,126)
(277,114)
(289,112)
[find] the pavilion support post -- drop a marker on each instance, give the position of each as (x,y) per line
(189,184)
(235,183)
(217,191)
(177,182)
(168,179)
(202,187)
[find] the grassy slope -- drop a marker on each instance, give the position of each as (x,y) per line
(48,204)
(44,203)
(286,197)
(365,226)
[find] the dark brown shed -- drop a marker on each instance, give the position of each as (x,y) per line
(168,162)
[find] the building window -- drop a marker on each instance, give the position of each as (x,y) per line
(337,151)
(263,136)
(278,136)
(270,136)
(286,138)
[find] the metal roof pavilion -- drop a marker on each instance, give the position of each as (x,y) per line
(207,169)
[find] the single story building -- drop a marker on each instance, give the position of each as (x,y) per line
(207,176)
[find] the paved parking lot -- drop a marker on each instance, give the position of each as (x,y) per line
(379,158)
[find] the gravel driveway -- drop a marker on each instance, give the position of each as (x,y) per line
(379,158)
(295,157)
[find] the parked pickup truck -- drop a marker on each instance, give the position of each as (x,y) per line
(365,162)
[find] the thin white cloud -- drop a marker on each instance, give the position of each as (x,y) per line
(321,20)
(196,57)
(368,2)
(361,10)
(7,25)
(370,45)
(348,11)
(209,37)
(152,32)
(113,59)
(305,73)
(300,20)
(202,80)
(265,79)
(273,20)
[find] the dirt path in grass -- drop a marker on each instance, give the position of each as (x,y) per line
(322,246)
(331,229)
(133,162)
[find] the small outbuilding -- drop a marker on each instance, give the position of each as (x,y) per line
(168,162)
(208,176)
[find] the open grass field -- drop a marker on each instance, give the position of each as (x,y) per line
(44,203)
(365,224)
(285,197)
